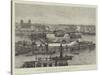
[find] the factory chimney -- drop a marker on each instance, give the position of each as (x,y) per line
(61,51)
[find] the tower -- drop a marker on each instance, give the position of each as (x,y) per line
(21,22)
(29,21)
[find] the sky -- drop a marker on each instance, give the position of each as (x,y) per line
(50,14)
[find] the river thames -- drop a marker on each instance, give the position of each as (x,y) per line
(85,57)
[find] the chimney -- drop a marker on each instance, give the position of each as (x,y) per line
(61,50)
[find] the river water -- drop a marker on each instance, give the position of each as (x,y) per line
(85,57)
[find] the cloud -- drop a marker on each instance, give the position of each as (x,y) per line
(55,14)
